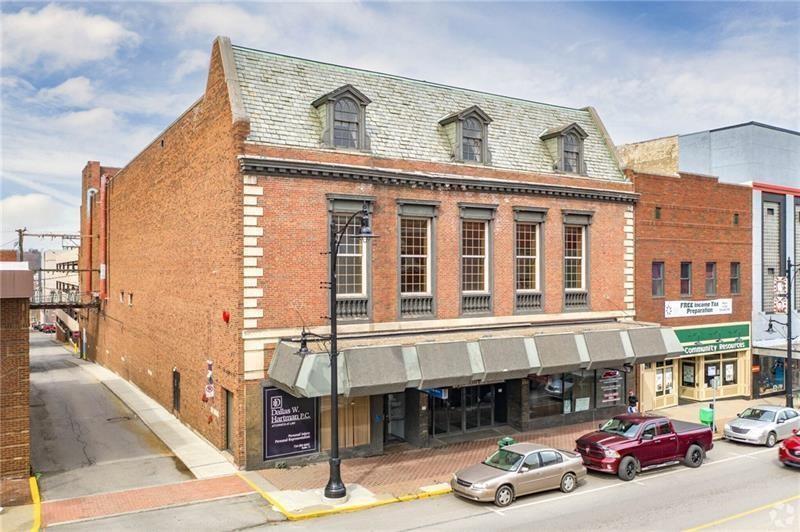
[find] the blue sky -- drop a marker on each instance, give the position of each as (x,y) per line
(98,81)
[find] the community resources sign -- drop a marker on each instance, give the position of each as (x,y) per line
(709,307)
(290,424)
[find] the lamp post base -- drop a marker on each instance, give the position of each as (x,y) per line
(335,491)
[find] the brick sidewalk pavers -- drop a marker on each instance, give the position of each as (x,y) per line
(405,472)
(115,503)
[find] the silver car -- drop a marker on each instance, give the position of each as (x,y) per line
(517,470)
(763,425)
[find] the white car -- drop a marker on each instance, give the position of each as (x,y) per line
(763,425)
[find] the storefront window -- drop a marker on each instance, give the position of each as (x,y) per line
(545,395)
(722,366)
(664,378)
(578,391)
(689,373)
(729,371)
(771,375)
(610,388)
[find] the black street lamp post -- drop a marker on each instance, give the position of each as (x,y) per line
(788,369)
(335,488)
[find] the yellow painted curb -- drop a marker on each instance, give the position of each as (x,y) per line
(297,516)
(37,505)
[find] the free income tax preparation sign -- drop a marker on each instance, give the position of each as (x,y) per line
(708,307)
(290,424)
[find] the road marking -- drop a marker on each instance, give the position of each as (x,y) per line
(743,514)
(37,505)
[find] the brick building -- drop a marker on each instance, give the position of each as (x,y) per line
(499,292)
(693,273)
(16,288)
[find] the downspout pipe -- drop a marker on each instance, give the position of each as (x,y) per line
(103,214)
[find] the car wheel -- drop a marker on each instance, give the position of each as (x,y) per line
(627,468)
(694,456)
(569,482)
(772,439)
(504,496)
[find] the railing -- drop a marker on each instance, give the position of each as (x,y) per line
(576,300)
(476,304)
(416,306)
(529,302)
(352,309)
(66,298)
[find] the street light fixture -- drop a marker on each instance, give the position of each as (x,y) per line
(335,488)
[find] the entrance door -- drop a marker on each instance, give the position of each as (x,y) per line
(176,390)
(228,419)
(479,406)
(395,416)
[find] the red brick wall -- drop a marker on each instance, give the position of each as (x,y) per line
(295,225)
(14,389)
(174,242)
(696,226)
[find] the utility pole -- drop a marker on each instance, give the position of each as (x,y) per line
(787,371)
(21,237)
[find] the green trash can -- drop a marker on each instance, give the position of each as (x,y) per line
(508,440)
(707,416)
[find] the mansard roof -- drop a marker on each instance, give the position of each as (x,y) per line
(403,118)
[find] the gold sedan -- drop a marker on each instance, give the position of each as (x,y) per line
(516,470)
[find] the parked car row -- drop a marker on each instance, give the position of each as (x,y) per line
(624,445)
(45,327)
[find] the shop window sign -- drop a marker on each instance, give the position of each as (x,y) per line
(290,424)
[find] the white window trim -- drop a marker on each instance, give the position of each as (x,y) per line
(582,258)
(427,256)
(364,277)
(485,258)
(537,273)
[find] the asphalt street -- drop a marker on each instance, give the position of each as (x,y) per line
(84,440)
(738,488)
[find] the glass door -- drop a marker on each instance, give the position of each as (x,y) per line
(472,400)
(395,416)
(486,405)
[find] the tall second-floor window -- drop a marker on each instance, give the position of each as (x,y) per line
(574,251)
(414,256)
(345,123)
(711,278)
(658,279)
(686,278)
(474,258)
(526,257)
(736,274)
(351,260)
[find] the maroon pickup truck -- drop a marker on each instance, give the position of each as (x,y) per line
(628,444)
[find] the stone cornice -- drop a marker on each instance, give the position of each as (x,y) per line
(293,168)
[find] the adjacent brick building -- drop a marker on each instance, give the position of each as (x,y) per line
(16,288)
(693,273)
(499,292)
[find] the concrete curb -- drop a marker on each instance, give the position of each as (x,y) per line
(422,493)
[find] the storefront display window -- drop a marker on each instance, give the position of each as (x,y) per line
(722,366)
(771,375)
(664,378)
(574,392)
(688,374)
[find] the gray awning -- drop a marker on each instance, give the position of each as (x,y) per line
(374,370)
(449,364)
(777,351)
(285,366)
(508,358)
(559,353)
(654,344)
(608,349)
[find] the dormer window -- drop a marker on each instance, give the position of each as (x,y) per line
(345,123)
(468,132)
(343,117)
(565,144)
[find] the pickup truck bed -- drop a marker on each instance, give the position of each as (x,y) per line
(685,426)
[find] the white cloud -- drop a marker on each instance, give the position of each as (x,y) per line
(37,212)
(73,92)
(189,62)
(57,37)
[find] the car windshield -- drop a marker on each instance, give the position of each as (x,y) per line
(505,460)
(621,427)
(758,414)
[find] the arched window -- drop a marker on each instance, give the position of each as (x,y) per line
(345,123)
(472,142)
(572,153)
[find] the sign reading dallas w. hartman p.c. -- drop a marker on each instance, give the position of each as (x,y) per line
(708,307)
